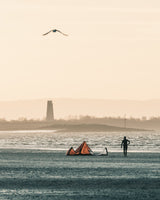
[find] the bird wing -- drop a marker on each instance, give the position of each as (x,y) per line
(46,33)
(61,32)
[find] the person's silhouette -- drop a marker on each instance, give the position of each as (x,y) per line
(106,151)
(125,144)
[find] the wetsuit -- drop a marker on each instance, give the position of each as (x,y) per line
(125,144)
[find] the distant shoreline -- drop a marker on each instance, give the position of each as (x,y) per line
(89,128)
(43,125)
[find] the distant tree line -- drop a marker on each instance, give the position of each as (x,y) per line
(142,123)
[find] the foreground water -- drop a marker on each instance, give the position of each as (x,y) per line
(33,165)
(33,174)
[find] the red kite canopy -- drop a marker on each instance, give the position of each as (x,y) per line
(71,151)
(83,149)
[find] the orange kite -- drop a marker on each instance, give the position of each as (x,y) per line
(83,149)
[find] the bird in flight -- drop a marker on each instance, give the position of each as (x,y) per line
(54,30)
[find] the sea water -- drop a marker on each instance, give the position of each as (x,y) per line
(33,165)
(147,141)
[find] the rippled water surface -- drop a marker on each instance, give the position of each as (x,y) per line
(33,166)
(140,141)
(48,174)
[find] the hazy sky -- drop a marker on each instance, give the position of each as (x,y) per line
(112,52)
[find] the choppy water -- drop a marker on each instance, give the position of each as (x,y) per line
(33,166)
(140,141)
(41,174)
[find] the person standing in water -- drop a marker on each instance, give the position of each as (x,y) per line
(106,151)
(125,144)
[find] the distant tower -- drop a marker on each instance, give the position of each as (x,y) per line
(50,114)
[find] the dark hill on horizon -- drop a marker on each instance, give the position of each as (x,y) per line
(64,126)
(89,128)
